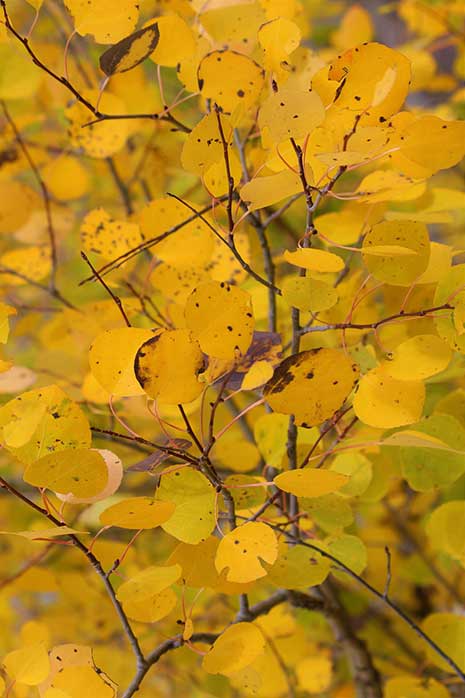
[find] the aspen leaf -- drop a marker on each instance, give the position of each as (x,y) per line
(359,72)
(268,190)
(350,550)
(233,25)
(177,283)
(130,51)
(308,294)
(418,358)
(189,246)
(428,468)
(148,583)
(446,529)
(433,143)
(42,533)
(388,185)
(114,469)
(220,316)
(278,38)
(395,269)
(152,609)
(310,482)
(167,367)
(203,146)
(75,681)
(176,41)
(32,262)
(103,19)
(314,260)
(245,491)
(244,83)
(385,402)
(450,285)
(197,562)
(80,472)
(357,468)
(242,550)
(312,385)
(66,178)
(291,114)
(111,359)
(388,251)
(29,665)
(356,27)
(447,630)
(194,497)
(137,513)
(100,140)
(237,647)
(102,234)
(57,423)
(259,373)
(298,567)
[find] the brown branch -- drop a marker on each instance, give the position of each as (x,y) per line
(113,295)
(162,116)
(95,564)
(375,325)
(229,176)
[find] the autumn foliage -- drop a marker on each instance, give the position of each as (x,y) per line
(232,409)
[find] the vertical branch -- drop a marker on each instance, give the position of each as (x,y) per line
(228,174)
(122,188)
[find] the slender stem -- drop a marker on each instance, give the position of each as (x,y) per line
(111,293)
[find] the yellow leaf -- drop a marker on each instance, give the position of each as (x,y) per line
(66,178)
(288,113)
(176,41)
(237,647)
(32,262)
(57,423)
(268,190)
(242,550)
(103,19)
(220,317)
(314,260)
(148,583)
(194,517)
(385,402)
(278,38)
(167,367)
(310,482)
(446,529)
(103,139)
(355,27)
(152,609)
(298,567)
(130,51)
(114,469)
(203,146)
(111,359)
(137,513)
(102,234)
(418,358)
(42,533)
(80,472)
(308,294)
(230,79)
(29,665)
(258,374)
(392,268)
(76,681)
(312,385)
(448,631)
(18,202)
